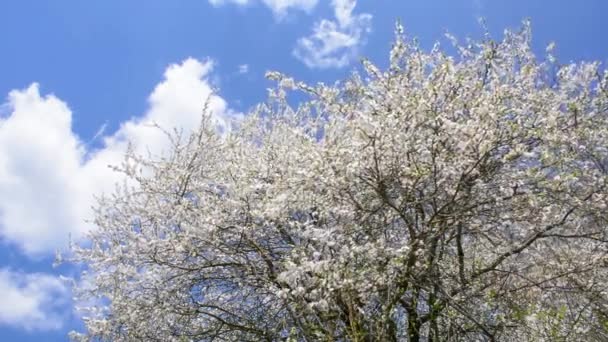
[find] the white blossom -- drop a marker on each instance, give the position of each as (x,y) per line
(448,198)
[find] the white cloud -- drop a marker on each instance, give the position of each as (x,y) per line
(278,7)
(40,171)
(32,301)
(47,176)
(221,2)
(243,68)
(334,44)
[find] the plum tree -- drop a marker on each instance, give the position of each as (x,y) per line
(452,197)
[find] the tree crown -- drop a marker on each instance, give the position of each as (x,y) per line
(446,198)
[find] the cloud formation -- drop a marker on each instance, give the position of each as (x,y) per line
(222,2)
(32,301)
(335,43)
(47,175)
(278,7)
(243,68)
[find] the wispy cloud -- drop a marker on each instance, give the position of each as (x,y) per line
(243,68)
(335,43)
(279,8)
(222,2)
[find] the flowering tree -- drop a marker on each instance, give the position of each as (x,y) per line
(448,198)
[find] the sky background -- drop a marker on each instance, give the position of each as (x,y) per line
(79,79)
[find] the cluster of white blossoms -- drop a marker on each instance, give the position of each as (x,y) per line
(448,198)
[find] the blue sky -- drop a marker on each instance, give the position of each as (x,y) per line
(78,79)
